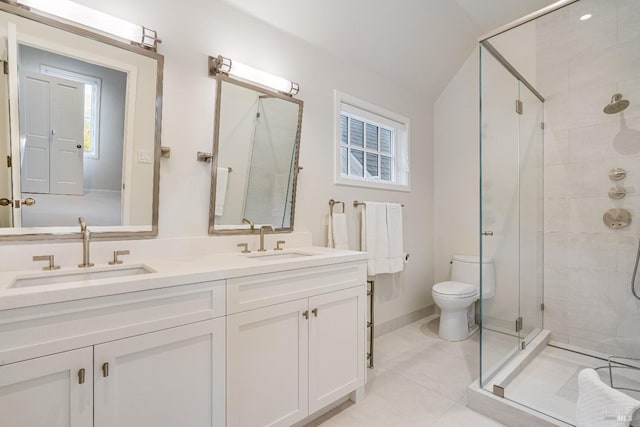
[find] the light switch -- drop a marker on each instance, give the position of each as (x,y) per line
(145,156)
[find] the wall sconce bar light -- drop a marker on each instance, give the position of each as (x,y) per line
(66,9)
(223,65)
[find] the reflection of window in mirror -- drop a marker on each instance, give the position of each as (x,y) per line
(372,145)
(92,86)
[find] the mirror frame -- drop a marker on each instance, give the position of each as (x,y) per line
(61,24)
(220,78)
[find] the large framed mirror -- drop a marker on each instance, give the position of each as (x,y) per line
(80,118)
(255,158)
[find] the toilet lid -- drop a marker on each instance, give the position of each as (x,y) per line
(454,288)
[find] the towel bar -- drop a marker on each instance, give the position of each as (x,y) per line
(357,203)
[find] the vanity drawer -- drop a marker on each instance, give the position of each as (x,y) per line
(33,331)
(250,292)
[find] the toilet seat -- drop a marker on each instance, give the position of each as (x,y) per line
(454,290)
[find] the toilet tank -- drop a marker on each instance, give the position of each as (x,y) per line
(466,269)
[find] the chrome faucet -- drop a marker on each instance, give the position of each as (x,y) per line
(86,239)
(262,230)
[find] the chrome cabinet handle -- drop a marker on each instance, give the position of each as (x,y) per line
(305,314)
(315,312)
(487,233)
(105,370)
(81,375)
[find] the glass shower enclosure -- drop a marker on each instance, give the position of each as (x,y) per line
(511,209)
(560,150)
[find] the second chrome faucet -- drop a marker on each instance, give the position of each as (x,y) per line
(262,230)
(85,234)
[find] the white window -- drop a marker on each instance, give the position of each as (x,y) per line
(372,145)
(92,87)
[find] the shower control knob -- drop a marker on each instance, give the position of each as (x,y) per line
(617,192)
(617,174)
(617,218)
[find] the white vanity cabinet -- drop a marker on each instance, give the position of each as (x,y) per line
(295,344)
(148,358)
(52,391)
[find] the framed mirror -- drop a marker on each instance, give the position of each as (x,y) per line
(255,158)
(81,117)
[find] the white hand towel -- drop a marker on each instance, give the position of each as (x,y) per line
(338,235)
(222,178)
(374,237)
(600,405)
(394,231)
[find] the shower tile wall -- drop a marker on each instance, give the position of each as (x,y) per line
(588,267)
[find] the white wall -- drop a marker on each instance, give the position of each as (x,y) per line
(190,34)
(456,168)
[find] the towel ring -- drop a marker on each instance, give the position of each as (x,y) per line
(332,203)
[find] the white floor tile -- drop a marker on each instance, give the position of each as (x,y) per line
(419,380)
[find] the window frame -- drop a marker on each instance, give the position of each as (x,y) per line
(85,79)
(380,117)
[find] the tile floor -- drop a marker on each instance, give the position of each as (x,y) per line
(418,380)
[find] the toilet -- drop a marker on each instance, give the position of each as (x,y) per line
(456,298)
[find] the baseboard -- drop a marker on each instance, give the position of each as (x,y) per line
(399,322)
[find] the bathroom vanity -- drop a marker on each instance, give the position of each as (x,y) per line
(225,339)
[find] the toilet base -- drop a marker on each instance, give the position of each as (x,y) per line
(457,325)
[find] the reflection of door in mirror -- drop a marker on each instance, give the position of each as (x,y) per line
(63,101)
(271,166)
(51,134)
(6,217)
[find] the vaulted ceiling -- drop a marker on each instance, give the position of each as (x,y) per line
(420,43)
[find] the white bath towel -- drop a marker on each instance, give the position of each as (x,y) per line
(600,405)
(375,238)
(338,235)
(394,231)
(222,178)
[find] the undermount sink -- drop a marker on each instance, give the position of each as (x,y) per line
(284,255)
(55,277)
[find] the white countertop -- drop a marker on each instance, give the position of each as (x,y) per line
(166,272)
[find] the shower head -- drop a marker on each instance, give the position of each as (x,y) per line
(616,105)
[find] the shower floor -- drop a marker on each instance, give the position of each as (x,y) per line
(549,383)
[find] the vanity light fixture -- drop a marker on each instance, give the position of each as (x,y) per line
(223,65)
(66,9)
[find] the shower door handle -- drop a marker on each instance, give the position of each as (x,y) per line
(487,233)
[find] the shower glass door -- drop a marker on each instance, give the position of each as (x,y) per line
(531,219)
(499,210)
(511,213)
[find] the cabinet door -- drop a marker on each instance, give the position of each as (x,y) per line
(336,345)
(47,392)
(169,378)
(267,365)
